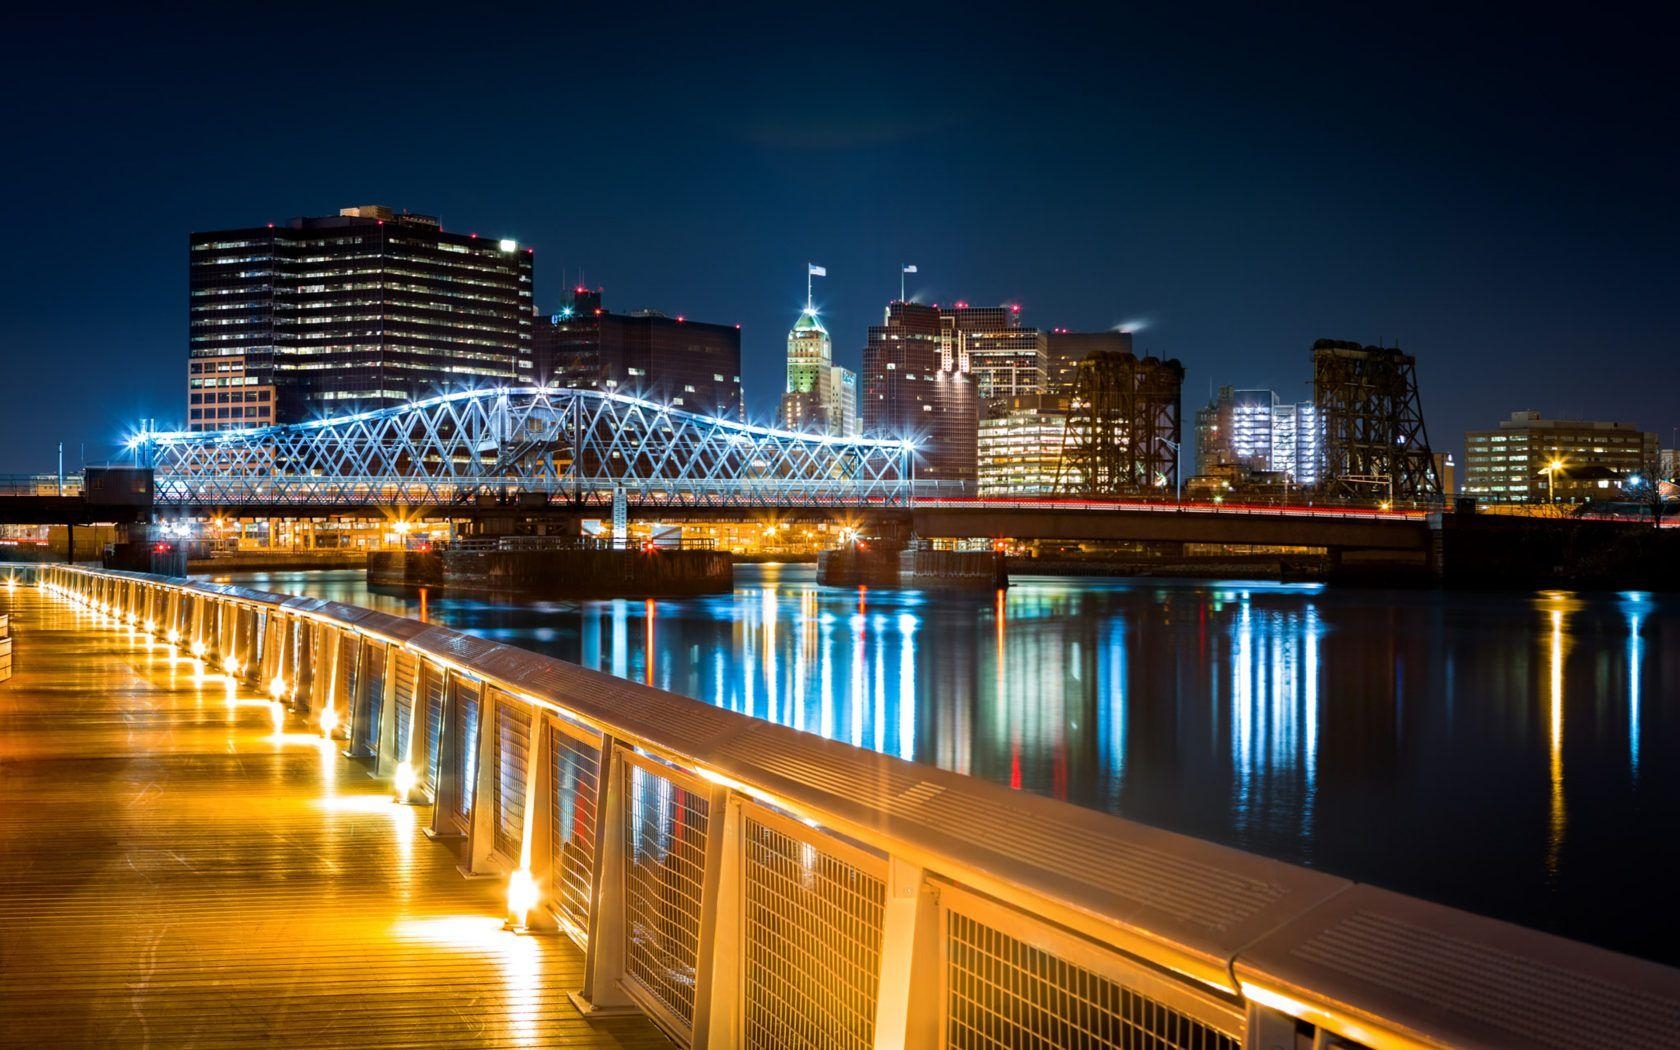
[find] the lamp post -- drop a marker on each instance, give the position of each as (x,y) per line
(1178,469)
(1551,479)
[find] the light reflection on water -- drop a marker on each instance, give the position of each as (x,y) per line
(1512,754)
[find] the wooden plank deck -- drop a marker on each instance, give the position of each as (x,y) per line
(173,873)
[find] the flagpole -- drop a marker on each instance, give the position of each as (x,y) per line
(901,282)
(807,286)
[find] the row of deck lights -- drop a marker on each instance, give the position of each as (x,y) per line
(523,894)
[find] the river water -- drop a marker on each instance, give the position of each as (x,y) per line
(1512,754)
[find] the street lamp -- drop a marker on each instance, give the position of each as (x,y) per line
(1178,469)
(1551,479)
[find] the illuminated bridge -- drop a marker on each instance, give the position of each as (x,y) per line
(202,848)
(577,447)
(571,450)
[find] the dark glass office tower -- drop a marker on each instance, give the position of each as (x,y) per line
(693,365)
(365,309)
(915,387)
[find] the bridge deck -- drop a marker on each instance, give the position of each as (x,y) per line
(174,874)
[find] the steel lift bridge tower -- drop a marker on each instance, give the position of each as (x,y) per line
(1123,427)
(1374,439)
(566,446)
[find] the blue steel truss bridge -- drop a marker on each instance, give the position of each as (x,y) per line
(568,447)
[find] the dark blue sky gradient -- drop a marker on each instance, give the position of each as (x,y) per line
(1495,193)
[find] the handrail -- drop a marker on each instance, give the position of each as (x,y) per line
(1201,507)
(931,893)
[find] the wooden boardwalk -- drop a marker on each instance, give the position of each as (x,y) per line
(173,873)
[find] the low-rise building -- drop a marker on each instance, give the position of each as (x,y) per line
(1020,446)
(1529,459)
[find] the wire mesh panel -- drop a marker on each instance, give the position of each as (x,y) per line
(226,631)
(466,751)
(403,687)
(1002,992)
(299,640)
(254,648)
(575,766)
(323,639)
(370,697)
(812,930)
(513,731)
(274,632)
(344,678)
(431,682)
(665,868)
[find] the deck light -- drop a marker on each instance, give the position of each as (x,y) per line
(277,687)
(404,780)
(174,636)
(329,721)
(198,650)
(522,897)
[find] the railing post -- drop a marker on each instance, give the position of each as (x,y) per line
(481,840)
(385,762)
(536,845)
(604,957)
(908,1003)
(717,991)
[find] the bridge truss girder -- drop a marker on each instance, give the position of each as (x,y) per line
(570,446)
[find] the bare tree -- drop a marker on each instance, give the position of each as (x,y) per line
(1654,488)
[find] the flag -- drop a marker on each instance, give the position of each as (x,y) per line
(816,271)
(911,268)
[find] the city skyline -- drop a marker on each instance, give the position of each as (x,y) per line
(1208,184)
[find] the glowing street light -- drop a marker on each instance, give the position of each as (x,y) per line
(1551,478)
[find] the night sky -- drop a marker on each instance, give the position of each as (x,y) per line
(1496,194)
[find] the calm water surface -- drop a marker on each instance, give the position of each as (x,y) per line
(1511,754)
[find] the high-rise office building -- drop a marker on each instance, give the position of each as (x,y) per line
(1528,459)
(821,396)
(1256,432)
(915,388)
(222,395)
(989,343)
(692,365)
(365,309)
(1214,423)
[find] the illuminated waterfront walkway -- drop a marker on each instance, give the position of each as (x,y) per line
(173,873)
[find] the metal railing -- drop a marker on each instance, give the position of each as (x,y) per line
(745,884)
(39,485)
(483,544)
